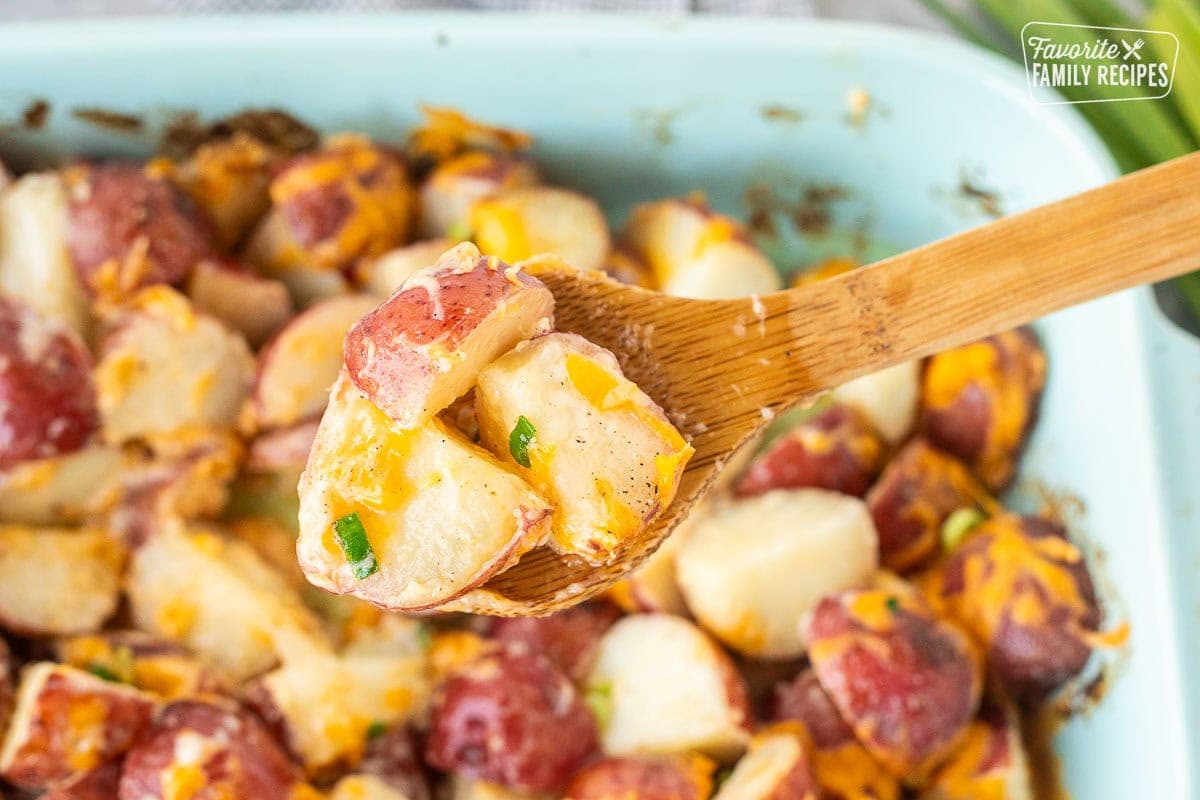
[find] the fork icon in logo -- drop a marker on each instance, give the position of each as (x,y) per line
(1132,49)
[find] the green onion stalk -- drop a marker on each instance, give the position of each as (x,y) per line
(1138,134)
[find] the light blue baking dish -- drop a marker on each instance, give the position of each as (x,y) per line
(629,109)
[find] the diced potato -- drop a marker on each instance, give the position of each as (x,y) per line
(207,748)
(980,401)
(165,669)
(382,276)
(364,787)
(908,683)
(888,399)
(218,597)
(99,783)
(330,208)
(68,722)
(441,515)
(299,365)
(58,581)
(694,252)
(601,451)
(567,638)
(516,224)
(667,688)
(228,177)
(425,346)
(775,767)
(283,449)
(688,777)
(654,586)
(164,367)
(394,758)
(466,788)
(35,261)
(450,191)
(990,763)
(751,569)
(253,306)
(325,703)
(62,490)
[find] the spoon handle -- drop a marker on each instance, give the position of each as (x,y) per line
(1142,228)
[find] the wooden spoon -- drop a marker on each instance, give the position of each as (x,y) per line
(723,369)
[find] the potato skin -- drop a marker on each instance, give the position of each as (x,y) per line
(67,722)
(844,769)
(234,757)
(511,718)
(919,488)
(687,777)
(47,399)
(906,682)
(349,200)
(402,354)
(990,764)
(834,450)
(979,402)
(567,638)
(95,784)
(1024,591)
(394,757)
(129,229)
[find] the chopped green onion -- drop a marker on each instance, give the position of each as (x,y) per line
(459,231)
(956,527)
(352,537)
(424,636)
(893,604)
(598,697)
(104,673)
(519,440)
(378,728)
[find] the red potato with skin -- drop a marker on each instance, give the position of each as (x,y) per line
(844,769)
(425,346)
(990,764)
(253,306)
(907,682)
(130,229)
(775,767)
(207,751)
(429,546)
(665,688)
(514,719)
(569,638)
(454,186)
(297,367)
(685,777)
(56,581)
(68,722)
(35,261)
(835,450)
(47,399)
(283,448)
(349,200)
(164,367)
(1024,592)
(980,401)
(394,757)
(920,487)
(523,222)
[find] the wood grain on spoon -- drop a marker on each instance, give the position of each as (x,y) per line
(723,368)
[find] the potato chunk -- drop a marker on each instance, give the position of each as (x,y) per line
(687,777)
(68,722)
(64,489)
(253,306)
(751,569)
(888,399)
(57,581)
(423,348)
(298,366)
(450,191)
(35,261)
(216,596)
(382,276)
(990,763)
(164,367)
(441,515)
(524,222)
(664,687)
(601,451)
(776,767)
